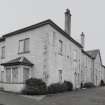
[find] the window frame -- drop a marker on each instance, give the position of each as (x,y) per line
(2,52)
(10,77)
(60,51)
(60,75)
(23,73)
(2,76)
(24,44)
(25,50)
(16,78)
(75,55)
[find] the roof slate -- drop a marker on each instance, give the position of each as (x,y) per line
(18,61)
(50,22)
(86,53)
(93,53)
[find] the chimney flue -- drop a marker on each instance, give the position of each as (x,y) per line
(68,22)
(83,39)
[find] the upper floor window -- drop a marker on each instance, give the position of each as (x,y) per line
(24,45)
(54,39)
(3,52)
(60,47)
(75,55)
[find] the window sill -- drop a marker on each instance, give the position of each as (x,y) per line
(24,52)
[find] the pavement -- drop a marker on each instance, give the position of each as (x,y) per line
(95,96)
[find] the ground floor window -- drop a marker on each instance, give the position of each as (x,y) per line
(12,74)
(60,75)
(45,76)
(26,73)
(8,74)
(2,76)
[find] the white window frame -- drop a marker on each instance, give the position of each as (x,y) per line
(29,73)
(11,74)
(13,79)
(75,55)
(60,47)
(24,50)
(3,52)
(2,76)
(60,75)
(8,74)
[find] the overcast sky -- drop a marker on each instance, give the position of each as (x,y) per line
(87,16)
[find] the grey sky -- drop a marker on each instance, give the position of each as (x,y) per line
(87,16)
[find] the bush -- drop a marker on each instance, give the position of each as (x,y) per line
(69,85)
(34,86)
(89,85)
(102,83)
(60,87)
(57,87)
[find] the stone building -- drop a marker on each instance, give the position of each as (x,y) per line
(46,51)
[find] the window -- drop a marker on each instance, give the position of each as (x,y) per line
(2,76)
(14,74)
(26,74)
(21,46)
(45,76)
(75,55)
(8,74)
(60,47)
(54,39)
(24,45)
(60,76)
(3,52)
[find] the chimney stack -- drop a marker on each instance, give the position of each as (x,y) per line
(83,39)
(68,22)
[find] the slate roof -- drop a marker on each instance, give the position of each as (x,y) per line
(2,39)
(86,53)
(18,61)
(93,53)
(46,22)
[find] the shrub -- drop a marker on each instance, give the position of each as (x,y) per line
(89,85)
(34,86)
(57,87)
(102,83)
(60,87)
(69,85)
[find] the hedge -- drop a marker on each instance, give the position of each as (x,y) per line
(88,85)
(34,86)
(60,87)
